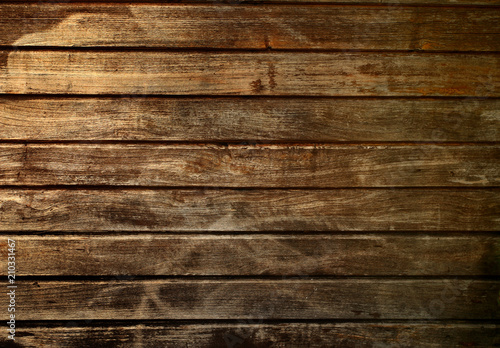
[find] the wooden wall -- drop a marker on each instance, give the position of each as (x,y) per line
(252,174)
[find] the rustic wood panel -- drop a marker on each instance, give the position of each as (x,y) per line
(258,299)
(250,210)
(251,27)
(250,166)
(277,255)
(255,334)
(337,91)
(216,73)
(255,119)
(393,3)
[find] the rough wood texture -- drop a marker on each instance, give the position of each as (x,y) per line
(296,118)
(254,119)
(257,27)
(325,166)
(258,299)
(276,255)
(216,73)
(256,334)
(392,3)
(250,210)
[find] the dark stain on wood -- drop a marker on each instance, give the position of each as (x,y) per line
(272,76)
(257,86)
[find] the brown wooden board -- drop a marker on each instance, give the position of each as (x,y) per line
(325,166)
(235,73)
(291,256)
(251,27)
(206,210)
(256,334)
(394,3)
(257,299)
(253,119)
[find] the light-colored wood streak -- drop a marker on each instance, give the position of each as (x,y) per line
(251,333)
(217,73)
(255,119)
(325,166)
(251,27)
(249,210)
(255,255)
(258,299)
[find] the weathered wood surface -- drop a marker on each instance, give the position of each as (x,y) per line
(91,62)
(249,210)
(258,299)
(251,27)
(247,255)
(250,334)
(254,119)
(325,166)
(392,3)
(234,73)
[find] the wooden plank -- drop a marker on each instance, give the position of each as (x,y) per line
(257,299)
(255,255)
(251,27)
(325,166)
(216,73)
(393,3)
(249,210)
(258,119)
(256,334)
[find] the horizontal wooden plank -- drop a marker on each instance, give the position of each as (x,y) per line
(252,255)
(257,299)
(325,166)
(258,119)
(251,27)
(394,3)
(216,73)
(250,210)
(250,334)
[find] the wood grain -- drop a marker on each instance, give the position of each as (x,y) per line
(256,255)
(251,27)
(325,166)
(392,3)
(257,299)
(358,138)
(216,73)
(257,119)
(249,210)
(250,334)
